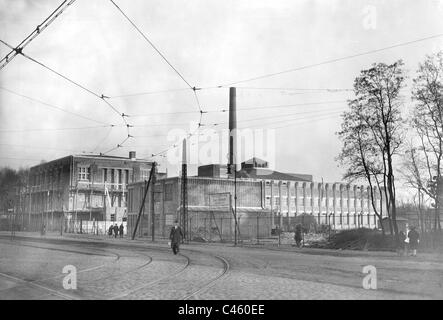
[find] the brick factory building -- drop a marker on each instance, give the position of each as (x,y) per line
(81,187)
(266,199)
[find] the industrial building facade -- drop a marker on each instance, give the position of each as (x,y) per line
(266,200)
(81,187)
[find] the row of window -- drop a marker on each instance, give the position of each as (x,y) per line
(109,175)
(308,201)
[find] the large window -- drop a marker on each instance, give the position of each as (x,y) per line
(83,173)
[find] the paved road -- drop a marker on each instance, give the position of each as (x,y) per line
(31,268)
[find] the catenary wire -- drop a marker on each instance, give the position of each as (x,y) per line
(333,60)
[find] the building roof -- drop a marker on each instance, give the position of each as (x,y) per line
(102,156)
(89,156)
(263,173)
(255,160)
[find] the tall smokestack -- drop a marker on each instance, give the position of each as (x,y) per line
(232,128)
(184,152)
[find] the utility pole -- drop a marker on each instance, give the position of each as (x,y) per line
(154,164)
(184,217)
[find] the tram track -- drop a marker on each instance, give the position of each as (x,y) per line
(190,280)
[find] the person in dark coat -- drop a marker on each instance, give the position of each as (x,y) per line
(298,236)
(414,237)
(110,230)
(115,231)
(121,230)
(176,236)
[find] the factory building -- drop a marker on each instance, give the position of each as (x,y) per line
(266,200)
(81,187)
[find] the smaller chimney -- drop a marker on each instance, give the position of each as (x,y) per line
(132,155)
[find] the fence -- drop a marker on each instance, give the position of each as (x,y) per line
(222,229)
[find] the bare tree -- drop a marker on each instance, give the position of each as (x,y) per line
(428,122)
(359,155)
(375,116)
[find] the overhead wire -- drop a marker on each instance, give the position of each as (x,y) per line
(50,105)
(333,60)
(54,129)
(39,29)
(100,96)
(152,44)
(193,88)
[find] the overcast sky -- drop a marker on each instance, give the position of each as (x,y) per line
(211,43)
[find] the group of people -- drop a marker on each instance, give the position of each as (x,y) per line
(408,243)
(116,230)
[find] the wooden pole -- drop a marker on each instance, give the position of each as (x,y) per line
(143,202)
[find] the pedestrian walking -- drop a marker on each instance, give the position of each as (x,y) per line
(298,236)
(414,237)
(110,230)
(115,231)
(43,229)
(401,245)
(121,229)
(176,236)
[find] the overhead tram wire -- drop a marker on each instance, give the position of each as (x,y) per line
(333,60)
(255,108)
(39,29)
(103,140)
(101,97)
(193,88)
(136,94)
(152,45)
(250,119)
(54,129)
(297,89)
(51,105)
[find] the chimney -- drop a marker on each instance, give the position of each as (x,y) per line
(232,128)
(132,155)
(184,160)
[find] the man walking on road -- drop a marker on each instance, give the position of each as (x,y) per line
(121,230)
(115,231)
(176,236)
(413,236)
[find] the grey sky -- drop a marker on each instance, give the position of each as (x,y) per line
(211,43)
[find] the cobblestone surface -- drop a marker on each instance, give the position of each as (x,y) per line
(123,269)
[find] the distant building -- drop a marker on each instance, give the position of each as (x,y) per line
(81,187)
(266,199)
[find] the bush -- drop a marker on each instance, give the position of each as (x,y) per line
(361,239)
